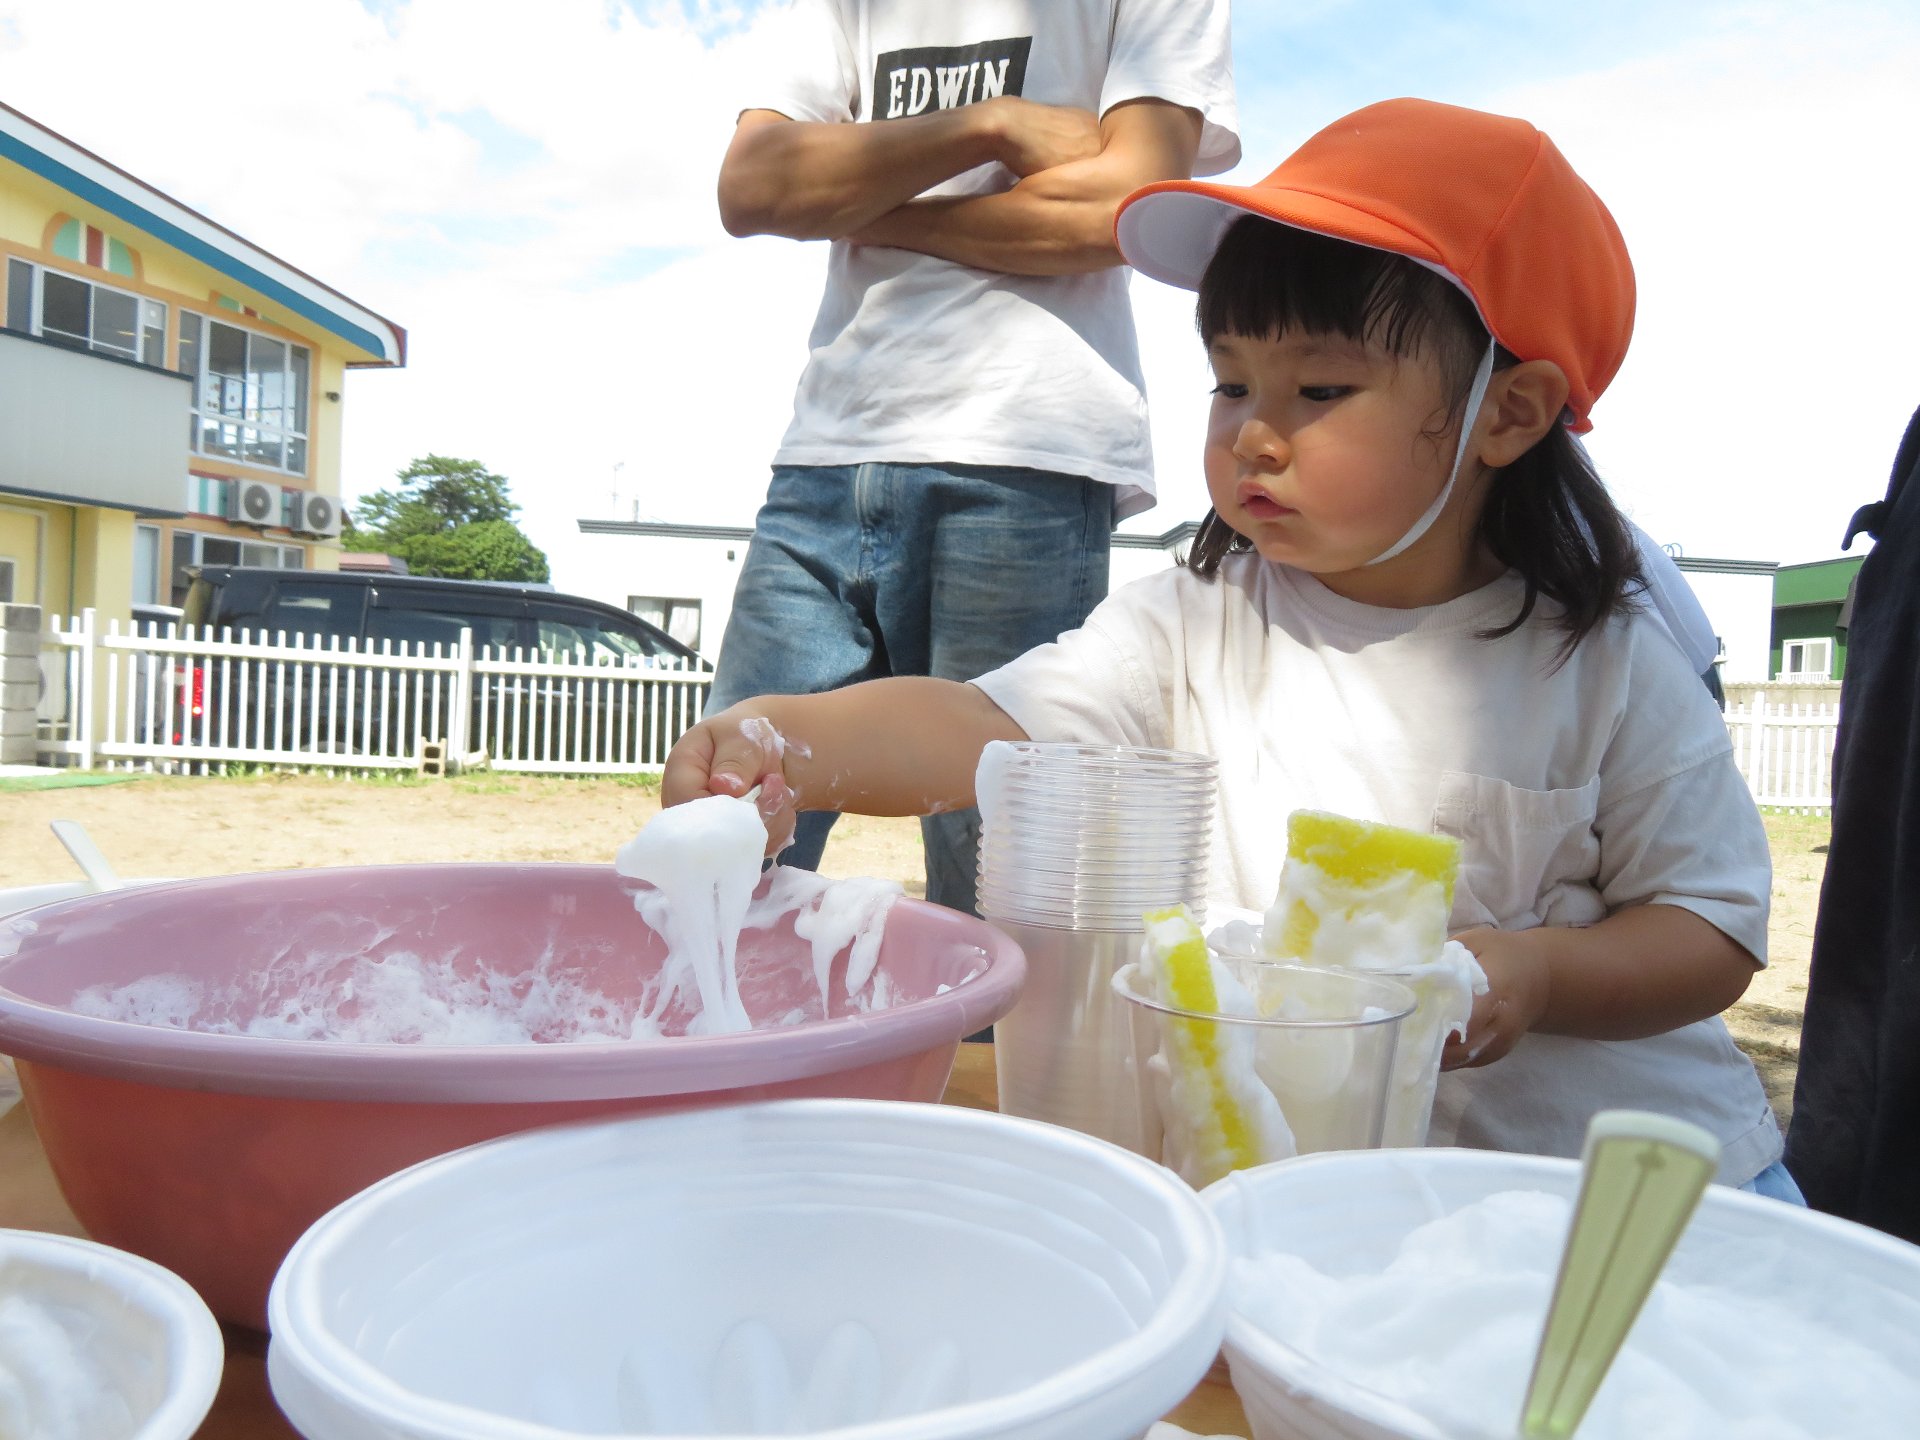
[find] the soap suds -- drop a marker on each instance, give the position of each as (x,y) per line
(1449,1328)
(699,866)
(54,1383)
(702,861)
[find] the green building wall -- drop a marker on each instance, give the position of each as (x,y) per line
(1807,600)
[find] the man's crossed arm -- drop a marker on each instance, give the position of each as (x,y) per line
(811,180)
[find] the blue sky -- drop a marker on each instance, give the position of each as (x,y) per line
(528,188)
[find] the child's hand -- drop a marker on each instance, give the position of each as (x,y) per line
(1515,998)
(729,754)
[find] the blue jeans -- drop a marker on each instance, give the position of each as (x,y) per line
(1776,1182)
(861,571)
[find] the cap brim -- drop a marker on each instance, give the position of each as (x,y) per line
(1170,230)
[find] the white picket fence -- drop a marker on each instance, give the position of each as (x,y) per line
(1785,752)
(175,698)
(178,699)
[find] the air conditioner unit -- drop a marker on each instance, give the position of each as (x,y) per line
(254,502)
(315,514)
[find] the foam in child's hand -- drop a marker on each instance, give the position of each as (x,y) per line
(702,860)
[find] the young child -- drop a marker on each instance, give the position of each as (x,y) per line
(1414,602)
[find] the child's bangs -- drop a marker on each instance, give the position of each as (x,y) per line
(1268,280)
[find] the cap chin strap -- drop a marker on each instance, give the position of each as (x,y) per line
(1476,395)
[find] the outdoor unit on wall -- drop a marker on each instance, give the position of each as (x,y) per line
(314,513)
(253,502)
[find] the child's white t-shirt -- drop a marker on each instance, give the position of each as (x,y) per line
(1605,783)
(917,359)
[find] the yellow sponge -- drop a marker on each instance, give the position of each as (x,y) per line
(1219,1134)
(1340,871)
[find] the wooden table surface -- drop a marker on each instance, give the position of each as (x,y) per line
(244,1410)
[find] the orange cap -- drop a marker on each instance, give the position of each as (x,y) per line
(1486,200)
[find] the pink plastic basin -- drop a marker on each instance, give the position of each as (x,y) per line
(210,1154)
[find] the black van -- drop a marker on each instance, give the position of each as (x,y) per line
(412,608)
(562,720)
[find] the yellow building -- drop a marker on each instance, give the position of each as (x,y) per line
(169,394)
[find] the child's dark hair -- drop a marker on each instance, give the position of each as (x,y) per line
(1548,517)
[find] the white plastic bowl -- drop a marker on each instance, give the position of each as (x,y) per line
(1347,1212)
(145,1344)
(830,1268)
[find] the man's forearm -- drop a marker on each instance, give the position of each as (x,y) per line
(811,180)
(1018,232)
(814,181)
(1057,221)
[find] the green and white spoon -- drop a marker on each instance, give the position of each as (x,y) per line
(1642,1176)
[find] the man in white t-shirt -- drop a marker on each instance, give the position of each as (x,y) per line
(971,421)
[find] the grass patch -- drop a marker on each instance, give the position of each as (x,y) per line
(1795,841)
(65,779)
(483,782)
(647,782)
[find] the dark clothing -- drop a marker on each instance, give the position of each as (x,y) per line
(1854,1145)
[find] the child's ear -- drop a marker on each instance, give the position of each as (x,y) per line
(1523,403)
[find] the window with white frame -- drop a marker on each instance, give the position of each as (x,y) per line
(146,564)
(85,314)
(249,393)
(679,617)
(194,547)
(1806,660)
(6,581)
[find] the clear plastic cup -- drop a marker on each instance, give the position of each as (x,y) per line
(1061,1055)
(1416,1065)
(1077,842)
(1322,1044)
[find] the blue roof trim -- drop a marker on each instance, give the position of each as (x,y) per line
(166,231)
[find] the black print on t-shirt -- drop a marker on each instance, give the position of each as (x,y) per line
(944,77)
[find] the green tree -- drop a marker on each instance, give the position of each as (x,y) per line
(447,517)
(484,550)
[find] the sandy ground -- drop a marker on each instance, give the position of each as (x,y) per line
(168,826)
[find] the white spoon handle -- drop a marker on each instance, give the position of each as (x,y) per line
(86,854)
(1641,1177)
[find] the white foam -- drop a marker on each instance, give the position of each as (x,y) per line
(698,864)
(702,860)
(400,998)
(53,1384)
(1197,1060)
(1450,1325)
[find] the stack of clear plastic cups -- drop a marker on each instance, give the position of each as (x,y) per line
(1077,842)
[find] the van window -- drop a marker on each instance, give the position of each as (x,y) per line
(679,617)
(419,627)
(312,608)
(574,632)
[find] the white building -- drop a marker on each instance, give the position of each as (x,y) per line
(681,577)
(1738,598)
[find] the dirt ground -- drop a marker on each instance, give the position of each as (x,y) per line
(175,826)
